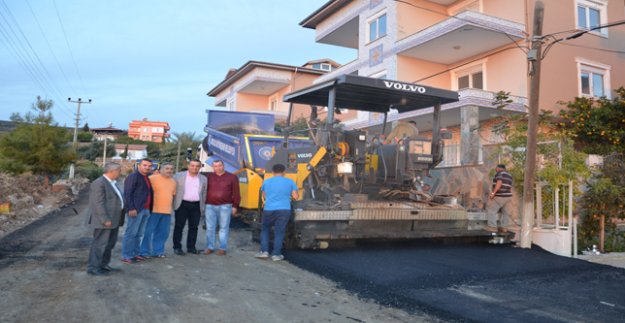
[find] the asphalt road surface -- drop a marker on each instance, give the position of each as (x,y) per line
(43,279)
(475,282)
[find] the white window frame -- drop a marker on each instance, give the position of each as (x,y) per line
(273,104)
(468,70)
(376,18)
(584,65)
(230,104)
(601,6)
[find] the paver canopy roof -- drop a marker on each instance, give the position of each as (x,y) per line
(372,94)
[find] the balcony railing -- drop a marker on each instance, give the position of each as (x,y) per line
(452,156)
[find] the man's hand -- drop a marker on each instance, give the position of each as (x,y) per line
(491,196)
(234,211)
(132,213)
(108,224)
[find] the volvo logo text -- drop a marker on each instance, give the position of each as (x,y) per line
(405,87)
(304,155)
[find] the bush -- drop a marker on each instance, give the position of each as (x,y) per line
(84,136)
(87,169)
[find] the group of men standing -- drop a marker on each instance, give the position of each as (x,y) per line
(147,205)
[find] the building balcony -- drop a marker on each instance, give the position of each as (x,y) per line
(257,82)
(337,22)
(450,113)
(460,37)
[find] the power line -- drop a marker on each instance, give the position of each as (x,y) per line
(28,69)
(25,58)
(577,35)
(595,48)
(46,77)
(58,15)
(463,64)
(50,48)
(468,21)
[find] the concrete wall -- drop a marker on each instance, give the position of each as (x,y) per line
(513,10)
(410,69)
(559,77)
(251,102)
(411,19)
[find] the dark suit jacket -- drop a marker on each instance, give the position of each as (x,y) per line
(136,192)
(104,205)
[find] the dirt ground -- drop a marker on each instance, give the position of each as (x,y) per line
(30,200)
(43,279)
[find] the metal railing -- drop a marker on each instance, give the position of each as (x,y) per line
(452,156)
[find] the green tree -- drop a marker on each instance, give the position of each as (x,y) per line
(186,140)
(124,155)
(95,150)
(38,144)
(85,128)
(83,136)
(597,125)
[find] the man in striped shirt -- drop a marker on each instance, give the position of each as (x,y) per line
(500,199)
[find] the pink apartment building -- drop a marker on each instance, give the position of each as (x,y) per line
(259,87)
(475,47)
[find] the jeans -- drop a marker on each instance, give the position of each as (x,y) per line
(499,203)
(156,233)
(188,211)
(215,213)
(279,220)
(135,228)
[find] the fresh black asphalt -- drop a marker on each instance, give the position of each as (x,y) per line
(474,281)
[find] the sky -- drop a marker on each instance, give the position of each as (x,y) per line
(143,59)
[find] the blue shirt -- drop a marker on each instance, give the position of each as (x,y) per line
(278,193)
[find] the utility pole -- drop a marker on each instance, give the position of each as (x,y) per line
(104,157)
(534,57)
(78,102)
(178,156)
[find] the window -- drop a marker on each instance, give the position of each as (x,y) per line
(591,14)
(471,79)
(273,105)
(377,27)
(322,66)
(230,104)
(594,79)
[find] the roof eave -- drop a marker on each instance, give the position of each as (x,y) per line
(322,13)
(247,67)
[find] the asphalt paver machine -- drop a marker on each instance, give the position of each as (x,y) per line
(356,185)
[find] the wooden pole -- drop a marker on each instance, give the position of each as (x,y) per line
(534,58)
(602,234)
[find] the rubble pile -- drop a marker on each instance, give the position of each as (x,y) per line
(24,198)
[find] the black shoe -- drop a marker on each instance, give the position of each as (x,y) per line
(194,251)
(97,272)
(109,268)
(179,252)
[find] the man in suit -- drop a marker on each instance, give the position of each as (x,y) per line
(189,205)
(104,216)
